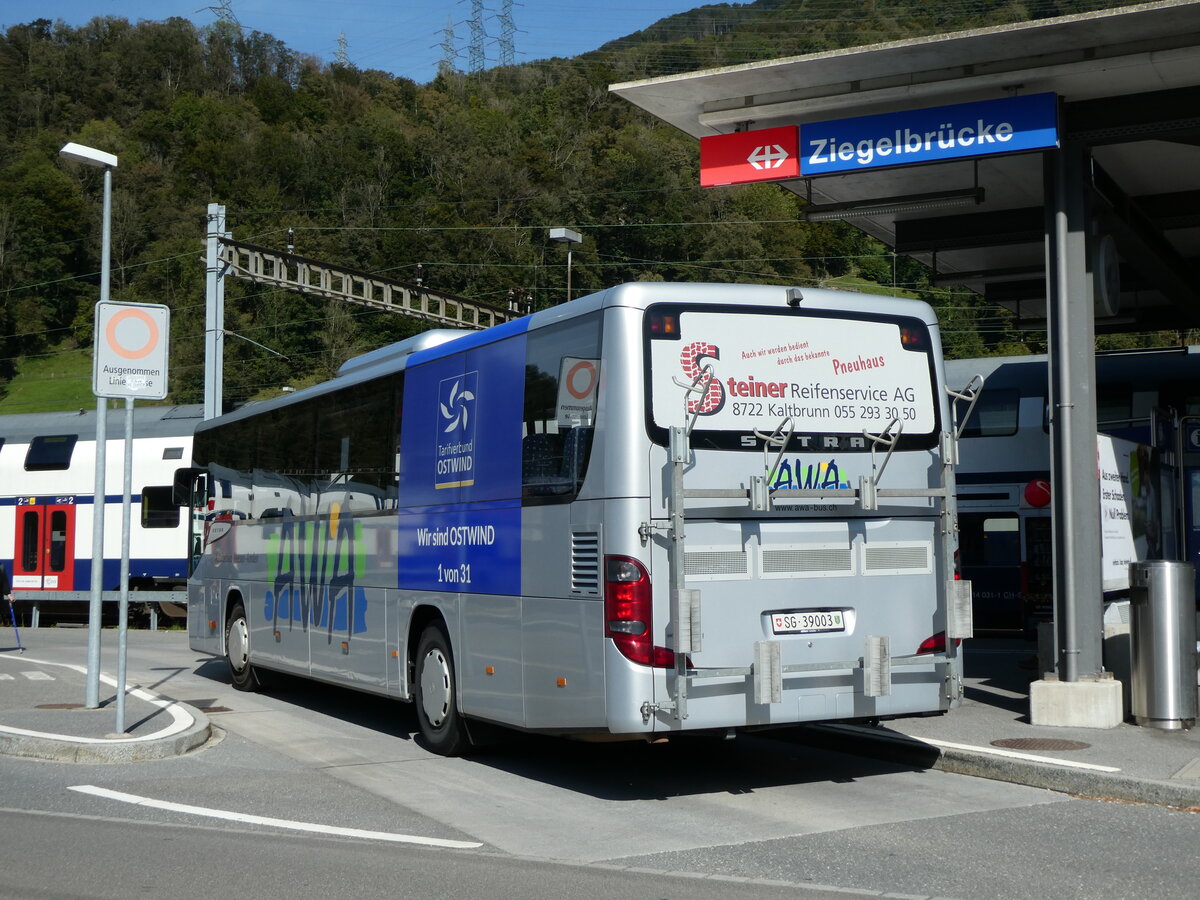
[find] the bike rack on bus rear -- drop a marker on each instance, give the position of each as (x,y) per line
(766,670)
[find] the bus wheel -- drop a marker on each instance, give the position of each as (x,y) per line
(441,724)
(237,650)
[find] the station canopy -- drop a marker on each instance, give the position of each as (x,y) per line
(1128,83)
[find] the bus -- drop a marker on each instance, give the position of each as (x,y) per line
(1150,397)
(47,497)
(661,508)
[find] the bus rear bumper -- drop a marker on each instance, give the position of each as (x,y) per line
(723,699)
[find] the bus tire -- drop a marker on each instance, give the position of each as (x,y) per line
(237,650)
(442,725)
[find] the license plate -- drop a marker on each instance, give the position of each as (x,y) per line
(808,622)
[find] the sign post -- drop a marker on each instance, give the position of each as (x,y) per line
(129,360)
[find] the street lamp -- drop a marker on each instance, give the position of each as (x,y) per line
(106,161)
(568,237)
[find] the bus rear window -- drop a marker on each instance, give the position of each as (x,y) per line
(50,452)
(826,376)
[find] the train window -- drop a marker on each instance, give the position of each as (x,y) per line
(58,541)
(158,507)
(995,415)
(988,539)
(50,452)
(172,453)
(31,529)
(1114,405)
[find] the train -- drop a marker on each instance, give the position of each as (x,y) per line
(47,474)
(1151,398)
(47,505)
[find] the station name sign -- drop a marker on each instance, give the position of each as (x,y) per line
(840,146)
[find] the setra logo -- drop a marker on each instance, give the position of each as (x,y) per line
(692,360)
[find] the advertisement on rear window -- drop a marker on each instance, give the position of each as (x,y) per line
(829,376)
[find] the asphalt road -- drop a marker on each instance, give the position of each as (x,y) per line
(538,817)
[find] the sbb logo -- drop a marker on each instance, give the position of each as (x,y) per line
(692,358)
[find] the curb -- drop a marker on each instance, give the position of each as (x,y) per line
(188,730)
(894,746)
(64,748)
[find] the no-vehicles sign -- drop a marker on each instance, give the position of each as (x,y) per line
(131,344)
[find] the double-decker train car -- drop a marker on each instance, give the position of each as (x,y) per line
(47,502)
(1004,480)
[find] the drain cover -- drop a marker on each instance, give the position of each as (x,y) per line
(213,709)
(59,706)
(1039,744)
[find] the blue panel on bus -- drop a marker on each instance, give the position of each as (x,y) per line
(471,548)
(460,470)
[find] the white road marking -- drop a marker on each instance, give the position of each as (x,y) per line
(1012,754)
(314,828)
(991,751)
(180,718)
(38,676)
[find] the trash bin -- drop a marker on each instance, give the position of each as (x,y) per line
(1162,602)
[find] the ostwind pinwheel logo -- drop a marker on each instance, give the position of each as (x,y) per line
(456,407)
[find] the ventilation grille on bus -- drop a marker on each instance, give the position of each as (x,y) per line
(585,563)
(778,562)
(717,563)
(897,559)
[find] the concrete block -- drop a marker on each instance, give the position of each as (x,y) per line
(1118,659)
(1076,704)
(1045,640)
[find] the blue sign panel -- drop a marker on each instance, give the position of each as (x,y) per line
(474,549)
(459,526)
(961,131)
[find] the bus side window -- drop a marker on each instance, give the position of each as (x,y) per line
(562,366)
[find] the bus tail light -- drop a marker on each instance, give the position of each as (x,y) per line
(935,643)
(628,612)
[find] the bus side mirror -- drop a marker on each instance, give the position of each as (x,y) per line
(181,488)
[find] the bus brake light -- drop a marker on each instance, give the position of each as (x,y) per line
(914,338)
(664,326)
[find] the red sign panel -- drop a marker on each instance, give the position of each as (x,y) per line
(768,154)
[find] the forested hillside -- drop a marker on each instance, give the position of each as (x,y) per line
(463,176)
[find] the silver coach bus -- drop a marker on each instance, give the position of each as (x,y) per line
(655,509)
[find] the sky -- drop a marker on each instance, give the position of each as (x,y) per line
(403,37)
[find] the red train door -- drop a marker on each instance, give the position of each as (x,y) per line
(44,555)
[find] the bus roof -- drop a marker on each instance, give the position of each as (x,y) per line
(436,343)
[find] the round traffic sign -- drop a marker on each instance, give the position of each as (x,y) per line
(581,379)
(132,333)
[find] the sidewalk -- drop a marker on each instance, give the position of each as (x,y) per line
(990,736)
(42,716)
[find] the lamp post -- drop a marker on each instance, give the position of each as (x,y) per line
(568,237)
(106,161)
